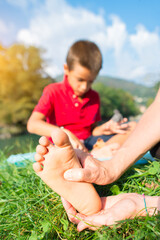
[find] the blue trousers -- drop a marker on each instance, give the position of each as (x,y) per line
(155,151)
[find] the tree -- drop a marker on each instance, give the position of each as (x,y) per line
(22,79)
(157,85)
(114,98)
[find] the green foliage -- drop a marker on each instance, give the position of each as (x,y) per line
(149,102)
(152,169)
(133,88)
(22,80)
(112,98)
(151,99)
(115,190)
(157,86)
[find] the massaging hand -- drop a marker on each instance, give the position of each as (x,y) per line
(113,210)
(94,221)
(76,143)
(92,171)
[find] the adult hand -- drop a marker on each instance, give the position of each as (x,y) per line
(94,221)
(92,171)
(113,210)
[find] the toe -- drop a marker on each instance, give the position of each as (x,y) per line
(44,141)
(38,157)
(60,138)
(41,150)
(37,167)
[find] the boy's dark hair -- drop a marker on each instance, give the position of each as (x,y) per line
(85,53)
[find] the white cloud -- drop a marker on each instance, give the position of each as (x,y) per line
(116,34)
(56,25)
(147,46)
(143,38)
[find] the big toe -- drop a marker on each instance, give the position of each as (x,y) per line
(60,138)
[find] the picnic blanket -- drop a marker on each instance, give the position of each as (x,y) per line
(21,158)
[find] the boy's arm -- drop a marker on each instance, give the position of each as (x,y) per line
(37,124)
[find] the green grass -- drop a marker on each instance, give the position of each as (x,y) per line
(30,210)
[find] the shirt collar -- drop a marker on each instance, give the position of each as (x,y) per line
(71,92)
(67,85)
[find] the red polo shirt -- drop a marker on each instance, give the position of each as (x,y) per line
(61,107)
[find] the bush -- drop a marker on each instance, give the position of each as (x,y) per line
(113,98)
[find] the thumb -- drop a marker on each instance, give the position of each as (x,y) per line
(78,175)
(87,224)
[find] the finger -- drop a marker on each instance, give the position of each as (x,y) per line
(85,149)
(124,120)
(71,212)
(82,147)
(92,222)
(81,226)
(123,126)
(120,131)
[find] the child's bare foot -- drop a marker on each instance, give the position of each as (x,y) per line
(53,161)
(107,151)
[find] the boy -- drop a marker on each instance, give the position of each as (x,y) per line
(73,105)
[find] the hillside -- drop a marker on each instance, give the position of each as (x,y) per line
(131,87)
(135,89)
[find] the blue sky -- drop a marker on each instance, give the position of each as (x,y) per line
(127,32)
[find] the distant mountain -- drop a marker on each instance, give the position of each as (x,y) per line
(133,88)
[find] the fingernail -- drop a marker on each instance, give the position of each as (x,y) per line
(68,175)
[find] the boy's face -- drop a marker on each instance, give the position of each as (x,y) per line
(80,79)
